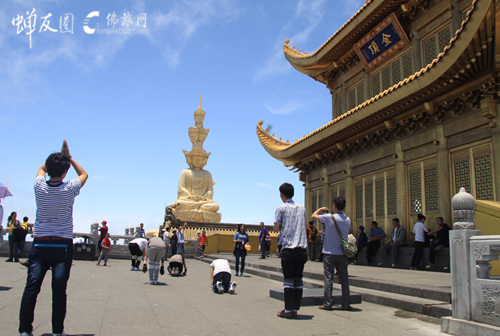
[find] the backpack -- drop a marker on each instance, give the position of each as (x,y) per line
(349,248)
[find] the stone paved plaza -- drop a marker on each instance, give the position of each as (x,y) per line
(115,301)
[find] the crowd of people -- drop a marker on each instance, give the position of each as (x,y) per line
(52,246)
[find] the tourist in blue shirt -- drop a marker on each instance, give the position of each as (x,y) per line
(375,237)
(241,239)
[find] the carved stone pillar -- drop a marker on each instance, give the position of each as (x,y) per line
(443,175)
(463,229)
(334,103)
(308,199)
(327,195)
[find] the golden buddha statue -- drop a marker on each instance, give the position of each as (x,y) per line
(195,192)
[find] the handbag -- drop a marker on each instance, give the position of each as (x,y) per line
(350,249)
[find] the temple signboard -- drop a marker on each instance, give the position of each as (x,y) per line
(382,42)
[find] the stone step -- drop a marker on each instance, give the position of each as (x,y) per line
(315,296)
(426,306)
(425,292)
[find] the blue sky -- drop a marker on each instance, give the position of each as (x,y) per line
(124,102)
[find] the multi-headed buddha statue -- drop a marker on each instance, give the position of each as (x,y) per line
(195,192)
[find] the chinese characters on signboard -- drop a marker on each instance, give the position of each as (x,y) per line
(28,24)
(384,40)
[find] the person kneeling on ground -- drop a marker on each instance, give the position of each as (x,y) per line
(156,253)
(176,265)
(137,248)
(220,277)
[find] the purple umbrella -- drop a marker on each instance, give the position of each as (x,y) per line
(4,191)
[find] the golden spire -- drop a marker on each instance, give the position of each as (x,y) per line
(199,105)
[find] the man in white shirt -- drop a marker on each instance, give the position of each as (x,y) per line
(292,219)
(334,257)
(419,231)
(180,239)
(220,277)
(137,248)
(166,240)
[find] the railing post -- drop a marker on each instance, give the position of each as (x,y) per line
(463,229)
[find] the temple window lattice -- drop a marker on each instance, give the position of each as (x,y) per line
(473,170)
(375,197)
(355,96)
(423,185)
(337,190)
(436,43)
(392,74)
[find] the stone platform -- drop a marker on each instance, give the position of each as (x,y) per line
(114,301)
(314,296)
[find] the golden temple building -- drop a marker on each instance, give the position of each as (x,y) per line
(414,88)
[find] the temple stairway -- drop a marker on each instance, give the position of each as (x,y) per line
(423,292)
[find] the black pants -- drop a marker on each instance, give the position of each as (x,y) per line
(417,255)
(371,249)
(240,253)
(292,265)
(136,252)
(263,248)
(225,277)
(13,246)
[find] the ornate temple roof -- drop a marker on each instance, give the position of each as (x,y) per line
(341,42)
(471,57)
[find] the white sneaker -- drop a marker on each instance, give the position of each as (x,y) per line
(232,288)
(133,268)
(220,287)
(136,269)
(151,282)
(155,282)
(26,334)
(62,334)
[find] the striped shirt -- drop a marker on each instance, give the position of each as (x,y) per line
(292,217)
(54,208)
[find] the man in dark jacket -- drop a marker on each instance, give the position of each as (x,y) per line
(362,242)
(396,240)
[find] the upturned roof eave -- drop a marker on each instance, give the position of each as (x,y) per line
(422,79)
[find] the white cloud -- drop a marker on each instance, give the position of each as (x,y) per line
(308,15)
(265,185)
(286,109)
(172,30)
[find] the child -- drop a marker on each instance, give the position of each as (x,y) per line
(202,242)
(105,245)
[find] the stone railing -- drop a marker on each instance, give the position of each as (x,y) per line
(475,296)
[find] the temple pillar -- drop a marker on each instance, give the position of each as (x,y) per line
(366,85)
(416,50)
(327,195)
(344,98)
(350,209)
(456,16)
(308,199)
(334,103)
(443,175)
(401,188)
(495,151)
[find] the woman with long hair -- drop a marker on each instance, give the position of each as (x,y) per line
(13,224)
(240,239)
